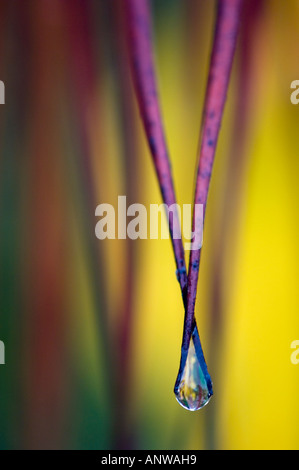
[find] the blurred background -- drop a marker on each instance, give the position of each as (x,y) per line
(92,329)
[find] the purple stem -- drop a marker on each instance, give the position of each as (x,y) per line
(225,38)
(138,26)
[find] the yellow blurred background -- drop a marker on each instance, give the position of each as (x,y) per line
(71,138)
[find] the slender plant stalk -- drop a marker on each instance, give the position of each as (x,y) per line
(234,181)
(143,70)
(138,26)
(224,44)
(142,64)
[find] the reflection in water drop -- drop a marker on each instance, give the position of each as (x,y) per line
(193,391)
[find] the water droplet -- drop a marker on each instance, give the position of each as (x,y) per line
(193,391)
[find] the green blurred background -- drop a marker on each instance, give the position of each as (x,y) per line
(92,329)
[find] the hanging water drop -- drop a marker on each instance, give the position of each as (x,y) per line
(193,391)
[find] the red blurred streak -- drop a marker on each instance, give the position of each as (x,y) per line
(46,378)
(84,75)
(4,13)
(4,16)
(124,437)
(83,85)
